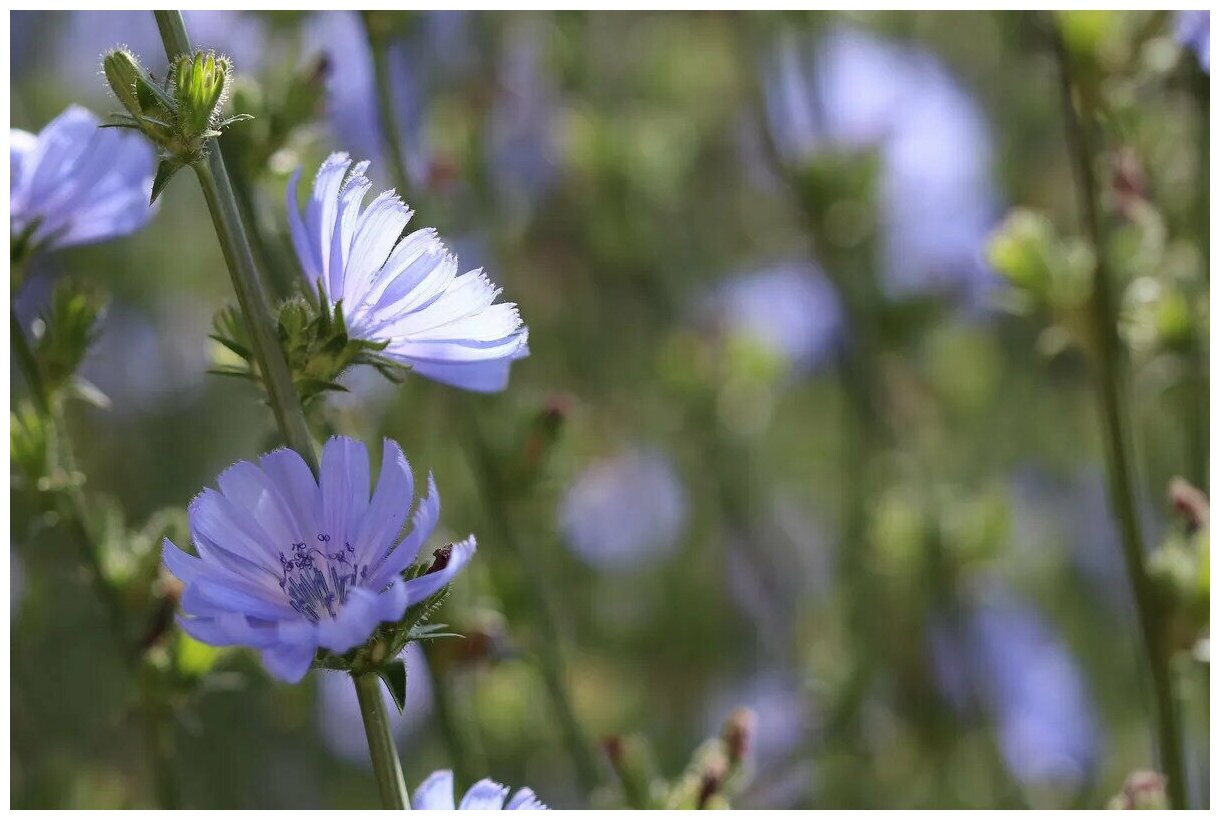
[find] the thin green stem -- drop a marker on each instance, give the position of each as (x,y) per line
(234,243)
(1109,378)
(391,136)
(382,751)
(549,648)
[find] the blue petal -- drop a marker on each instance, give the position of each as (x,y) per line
(436,792)
(524,800)
(345,487)
(288,663)
(422,524)
(486,794)
(384,518)
(297,486)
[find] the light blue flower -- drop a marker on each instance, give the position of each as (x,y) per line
(436,46)
(625,511)
(521,148)
(436,792)
(408,293)
(850,91)
(74,183)
(1193,28)
(289,564)
(789,308)
(1009,659)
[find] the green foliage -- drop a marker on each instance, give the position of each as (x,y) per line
(29,446)
(66,331)
(315,341)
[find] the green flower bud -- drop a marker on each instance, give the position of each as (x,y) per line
(122,71)
(201,84)
(177,117)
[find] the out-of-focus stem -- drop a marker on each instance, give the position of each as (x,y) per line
(464,753)
(1109,377)
(384,754)
(548,650)
(74,511)
(226,218)
(391,136)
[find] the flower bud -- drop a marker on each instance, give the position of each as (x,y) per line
(201,84)
(122,72)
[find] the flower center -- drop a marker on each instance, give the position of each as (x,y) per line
(317,579)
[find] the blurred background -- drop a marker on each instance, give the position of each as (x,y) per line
(786,439)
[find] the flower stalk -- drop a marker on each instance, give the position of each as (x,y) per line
(282,396)
(239,258)
(388,770)
(1078,115)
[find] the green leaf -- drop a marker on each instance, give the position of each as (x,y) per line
(165,172)
(394,675)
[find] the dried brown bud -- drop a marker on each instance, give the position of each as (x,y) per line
(441,559)
(739,731)
(1190,502)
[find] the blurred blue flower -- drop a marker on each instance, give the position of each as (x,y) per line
(1007,659)
(1193,28)
(74,183)
(854,92)
(338,710)
(85,35)
(407,293)
(789,308)
(436,792)
(145,360)
(438,44)
(625,511)
(520,146)
(289,564)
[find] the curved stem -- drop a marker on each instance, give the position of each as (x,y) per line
(1109,377)
(234,243)
(382,751)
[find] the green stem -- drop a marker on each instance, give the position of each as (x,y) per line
(391,136)
(226,218)
(381,742)
(1109,377)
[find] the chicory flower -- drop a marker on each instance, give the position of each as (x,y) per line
(406,293)
(74,183)
(289,564)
